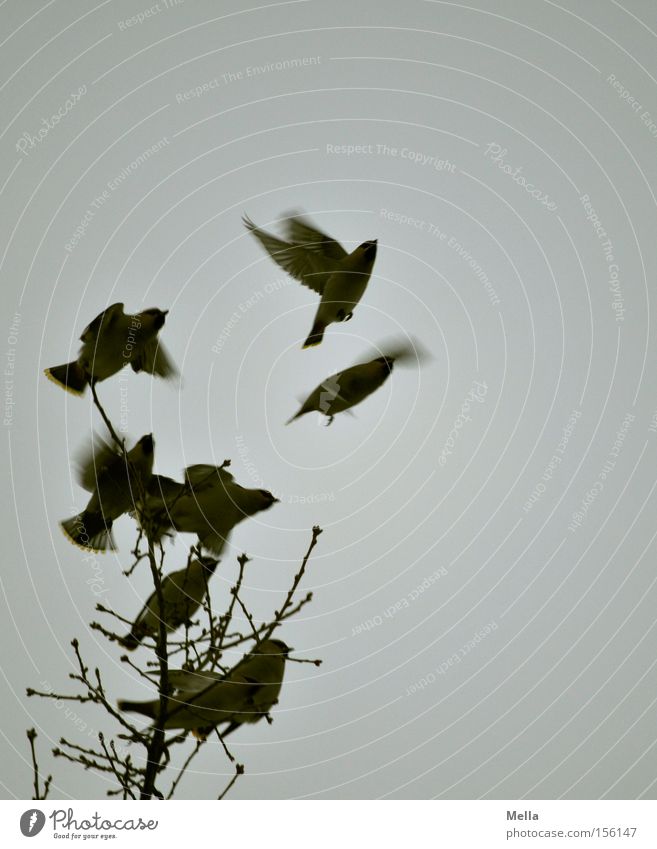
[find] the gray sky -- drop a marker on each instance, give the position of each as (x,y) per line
(484,588)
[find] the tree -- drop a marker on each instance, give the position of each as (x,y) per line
(138,758)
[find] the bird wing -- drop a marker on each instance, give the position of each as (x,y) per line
(211,697)
(163,488)
(349,386)
(214,539)
(153,358)
(202,475)
(174,597)
(352,381)
(161,493)
(91,330)
(187,682)
(306,266)
(301,232)
(95,461)
(403,350)
(244,695)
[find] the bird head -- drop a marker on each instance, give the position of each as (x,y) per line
(267,498)
(388,362)
(147,444)
(369,250)
(209,564)
(157,316)
(252,501)
(275,647)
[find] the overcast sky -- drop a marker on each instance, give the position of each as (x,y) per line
(484,590)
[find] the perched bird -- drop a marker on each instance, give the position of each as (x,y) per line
(342,391)
(114,482)
(114,340)
(322,264)
(203,700)
(182,592)
(209,504)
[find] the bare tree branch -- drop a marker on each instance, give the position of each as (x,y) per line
(31,736)
(201,644)
(239,770)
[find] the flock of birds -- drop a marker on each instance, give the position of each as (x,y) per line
(209,502)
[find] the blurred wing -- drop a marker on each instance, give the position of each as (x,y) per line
(95,461)
(153,359)
(301,232)
(403,350)
(406,352)
(107,315)
(304,265)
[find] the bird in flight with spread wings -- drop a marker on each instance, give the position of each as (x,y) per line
(323,265)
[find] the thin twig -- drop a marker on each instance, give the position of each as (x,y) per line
(31,736)
(156,747)
(239,770)
(110,758)
(280,615)
(226,750)
(108,424)
(183,769)
(125,659)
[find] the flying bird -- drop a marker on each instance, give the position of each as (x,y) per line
(182,592)
(209,504)
(204,699)
(114,482)
(342,391)
(323,265)
(113,340)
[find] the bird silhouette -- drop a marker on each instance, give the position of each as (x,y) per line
(204,699)
(182,593)
(116,484)
(323,265)
(113,340)
(343,390)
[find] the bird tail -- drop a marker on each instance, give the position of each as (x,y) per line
(316,335)
(295,416)
(89,531)
(148,709)
(70,376)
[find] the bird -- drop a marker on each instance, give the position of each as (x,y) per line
(204,699)
(115,339)
(209,504)
(343,390)
(182,592)
(115,482)
(323,265)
